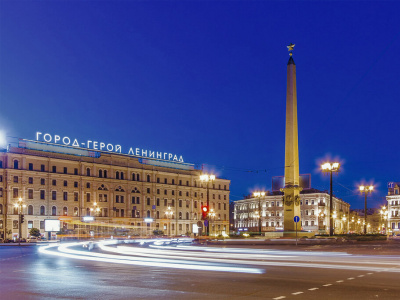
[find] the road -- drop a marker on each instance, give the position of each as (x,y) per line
(134,271)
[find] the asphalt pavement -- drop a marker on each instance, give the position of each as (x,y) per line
(288,273)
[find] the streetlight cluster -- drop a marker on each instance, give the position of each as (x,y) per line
(206,208)
(258,195)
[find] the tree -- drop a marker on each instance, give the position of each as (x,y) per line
(34,232)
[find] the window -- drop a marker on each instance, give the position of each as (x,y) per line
(16,179)
(42,181)
(30,210)
(30,180)
(1,178)
(30,167)
(122,177)
(172,192)
(87,171)
(187,194)
(42,211)
(54,169)
(54,182)
(53,195)
(65,211)
(42,168)
(187,183)
(65,183)
(76,211)
(88,185)
(148,201)
(180,215)
(137,200)
(224,206)
(15,164)
(306,202)
(105,173)
(180,182)
(165,192)
(148,178)
(76,184)
(148,190)
(158,202)
(76,196)
(158,180)
(158,191)
(41,224)
(65,170)
(30,194)
(173,181)
(15,192)
(137,177)
(100,173)
(42,194)
(180,203)
(15,224)
(165,202)
(1,192)
(195,204)
(165,180)
(75,171)
(65,196)
(122,199)
(1,224)
(87,197)
(180,193)
(195,194)
(54,211)
(1,209)
(187,216)
(224,197)
(117,175)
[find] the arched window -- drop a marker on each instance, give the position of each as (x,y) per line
(100,173)
(15,224)
(65,211)
(148,214)
(105,173)
(1,209)
(187,216)
(54,211)
(42,210)
(148,178)
(15,164)
(76,211)
(122,175)
(133,176)
(137,177)
(157,214)
(15,210)
(88,211)
(30,210)
(195,216)
(87,171)
(117,175)
(180,215)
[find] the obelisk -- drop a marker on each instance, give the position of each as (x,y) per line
(291,191)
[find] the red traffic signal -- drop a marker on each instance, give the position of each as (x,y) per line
(204,212)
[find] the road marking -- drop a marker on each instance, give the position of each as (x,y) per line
(339,281)
(370,273)
(297,293)
(313,289)
(360,275)
(350,278)
(280,297)
(328,284)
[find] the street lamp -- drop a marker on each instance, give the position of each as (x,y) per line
(384,219)
(333,220)
(259,195)
(212,216)
(169,214)
(207,178)
(330,168)
(365,189)
(19,205)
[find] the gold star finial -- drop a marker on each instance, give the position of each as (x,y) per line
(290,48)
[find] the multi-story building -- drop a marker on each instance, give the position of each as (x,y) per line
(123,192)
(393,207)
(314,213)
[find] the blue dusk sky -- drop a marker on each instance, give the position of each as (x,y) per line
(207,80)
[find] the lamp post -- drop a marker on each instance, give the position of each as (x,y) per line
(95,210)
(384,219)
(207,178)
(333,221)
(19,205)
(365,189)
(259,195)
(212,216)
(169,214)
(330,168)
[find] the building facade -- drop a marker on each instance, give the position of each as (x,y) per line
(393,207)
(124,193)
(314,213)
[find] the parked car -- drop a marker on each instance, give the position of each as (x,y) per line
(33,239)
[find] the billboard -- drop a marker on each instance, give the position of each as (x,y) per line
(51,225)
(278,182)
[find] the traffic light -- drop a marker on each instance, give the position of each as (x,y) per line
(22,218)
(204,212)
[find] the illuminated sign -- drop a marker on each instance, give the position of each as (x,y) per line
(105,147)
(51,225)
(87,219)
(148,220)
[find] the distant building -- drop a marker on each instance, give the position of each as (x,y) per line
(393,207)
(314,205)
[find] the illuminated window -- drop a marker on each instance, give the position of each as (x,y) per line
(65,211)
(15,224)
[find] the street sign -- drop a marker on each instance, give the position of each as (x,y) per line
(296,219)
(206,223)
